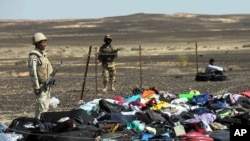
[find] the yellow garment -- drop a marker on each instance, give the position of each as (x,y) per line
(159,105)
(194,92)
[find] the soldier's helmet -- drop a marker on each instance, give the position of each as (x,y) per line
(37,37)
(107,37)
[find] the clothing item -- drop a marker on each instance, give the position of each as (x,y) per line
(108,73)
(107,53)
(42,102)
(212,68)
(39,66)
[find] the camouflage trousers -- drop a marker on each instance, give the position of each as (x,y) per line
(108,72)
(42,102)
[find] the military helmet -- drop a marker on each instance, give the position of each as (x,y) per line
(37,37)
(107,37)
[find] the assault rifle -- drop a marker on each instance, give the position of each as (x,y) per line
(51,80)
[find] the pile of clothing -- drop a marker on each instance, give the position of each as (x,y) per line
(148,114)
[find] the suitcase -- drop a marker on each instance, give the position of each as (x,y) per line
(78,115)
(25,127)
(202,77)
(211,77)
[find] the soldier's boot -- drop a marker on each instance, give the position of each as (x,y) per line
(105,89)
(112,87)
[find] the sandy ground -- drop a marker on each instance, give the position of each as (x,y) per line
(7,116)
(168,56)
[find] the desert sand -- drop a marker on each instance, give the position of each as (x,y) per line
(168,60)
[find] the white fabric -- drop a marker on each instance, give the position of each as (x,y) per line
(54,102)
(179,100)
(10,136)
(210,68)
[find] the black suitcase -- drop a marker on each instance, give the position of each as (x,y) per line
(23,125)
(78,115)
(202,77)
(211,77)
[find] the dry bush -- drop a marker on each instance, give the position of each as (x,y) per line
(172,48)
(246,46)
(136,49)
(173,71)
(183,60)
(189,48)
(234,68)
(21,62)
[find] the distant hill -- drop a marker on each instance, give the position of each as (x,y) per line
(130,29)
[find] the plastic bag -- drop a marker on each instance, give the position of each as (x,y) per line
(54,102)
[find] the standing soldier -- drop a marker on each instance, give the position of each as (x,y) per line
(106,55)
(40,69)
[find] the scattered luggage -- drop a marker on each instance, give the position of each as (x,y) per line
(192,116)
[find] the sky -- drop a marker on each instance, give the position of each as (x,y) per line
(92,9)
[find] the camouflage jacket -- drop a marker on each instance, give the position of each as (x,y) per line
(107,53)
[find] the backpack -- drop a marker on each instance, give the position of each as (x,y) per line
(202,77)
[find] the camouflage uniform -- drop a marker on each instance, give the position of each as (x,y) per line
(39,70)
(107,55)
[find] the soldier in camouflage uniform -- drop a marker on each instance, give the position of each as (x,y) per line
(39,70)
(106,55)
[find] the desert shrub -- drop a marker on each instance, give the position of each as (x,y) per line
(246,45)
(188,48)
(182,59)
(59,53)
(122,48)
(153,49)
(173,71)
(172,48)
(234,68)
(135,49)
(8,51)
(21,62)
(63,49)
